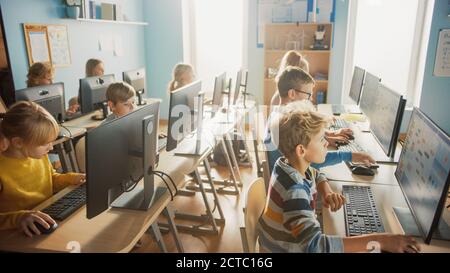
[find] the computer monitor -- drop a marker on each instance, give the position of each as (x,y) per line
(119,154)
(388,113)
(237,87)
(51,97)
(136,78)
(369,93)
(93,94)
(423,175)
(185,114)
(357,83)
(219,87)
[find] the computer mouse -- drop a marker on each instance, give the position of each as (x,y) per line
(43,230)
(362,170)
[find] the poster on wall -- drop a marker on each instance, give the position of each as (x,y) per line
(36,40)
(442,62)
(59,45)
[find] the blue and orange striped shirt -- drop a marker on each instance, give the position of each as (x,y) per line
(289,223)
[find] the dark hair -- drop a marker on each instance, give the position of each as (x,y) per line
(291,78)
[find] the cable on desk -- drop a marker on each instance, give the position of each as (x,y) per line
(170,178)
(165,182)
(70,133)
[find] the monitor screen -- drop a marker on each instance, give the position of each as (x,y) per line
(182,113)
(135,78)
(388,112)
(423,171)
(369,94)
(51,97)
(237,87)
(219,86)
(357,83)
(119,153)
(93,92)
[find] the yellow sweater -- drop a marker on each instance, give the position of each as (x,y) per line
(24,183)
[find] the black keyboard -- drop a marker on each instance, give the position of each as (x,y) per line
(162,143)
(360,211)
(351,146)
(67,204)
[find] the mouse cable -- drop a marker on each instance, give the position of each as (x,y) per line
(170,178)
(165,182)
(70,133)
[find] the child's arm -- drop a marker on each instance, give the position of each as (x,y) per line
(307,236)
(333,158)
(10,220)
(330,199)
(60,181)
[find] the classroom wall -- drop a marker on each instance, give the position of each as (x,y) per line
(83,39)
(164,40)
(435,97)
(256,55)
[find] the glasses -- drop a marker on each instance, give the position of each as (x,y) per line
(303,92)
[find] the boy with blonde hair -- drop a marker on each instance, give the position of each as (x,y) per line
(289,223)
(121,99)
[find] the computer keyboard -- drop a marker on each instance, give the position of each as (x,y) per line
(360,212)
(351,146)
(67,204)
(340,123)
(162,143)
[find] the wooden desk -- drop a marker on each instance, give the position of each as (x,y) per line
(115,230)
(386,197)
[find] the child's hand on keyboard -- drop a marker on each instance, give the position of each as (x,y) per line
(334,201)
(77,179)
(344,132)
(334,141)
(363,158)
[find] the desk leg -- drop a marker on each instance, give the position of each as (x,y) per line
(154,230)
(241,131)
(172,227)
(233,162)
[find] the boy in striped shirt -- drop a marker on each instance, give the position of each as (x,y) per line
(288,223)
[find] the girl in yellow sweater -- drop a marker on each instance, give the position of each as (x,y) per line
(26,176)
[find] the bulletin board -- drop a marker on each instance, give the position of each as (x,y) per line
(47,43)
(36,39)
(442,62)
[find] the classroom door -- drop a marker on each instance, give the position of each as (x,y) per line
(7,89)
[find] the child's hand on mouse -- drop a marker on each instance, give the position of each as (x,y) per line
(364,158)
(77,179)
(334,201)
(27,222)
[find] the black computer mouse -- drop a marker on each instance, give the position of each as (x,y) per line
(362,170)
(43,230)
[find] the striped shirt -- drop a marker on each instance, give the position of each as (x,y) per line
(289,223)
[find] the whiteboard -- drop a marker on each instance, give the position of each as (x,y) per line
(442,62)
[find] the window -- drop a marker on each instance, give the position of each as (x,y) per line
(213,38)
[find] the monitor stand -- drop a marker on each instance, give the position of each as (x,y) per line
(135,199)
(409,225)
(141,101)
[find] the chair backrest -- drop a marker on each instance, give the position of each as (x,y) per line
(80,152)
(254,205)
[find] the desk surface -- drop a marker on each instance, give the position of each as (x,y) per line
(386,197)
(115,230)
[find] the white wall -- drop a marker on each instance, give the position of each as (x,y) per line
(384,39)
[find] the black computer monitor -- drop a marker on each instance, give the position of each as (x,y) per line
(120,153)
(369,94)
(423,175)
(219,87)
(237,87)
(136,78)
(185,115)
(357,83)
(388,114)
(51,97)
(93,94)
